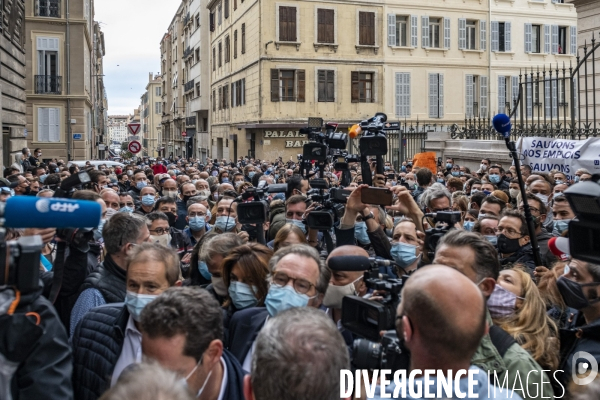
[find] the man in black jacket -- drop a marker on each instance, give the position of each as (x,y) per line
(514,245)
(106,284)
(182,330)
(108,339)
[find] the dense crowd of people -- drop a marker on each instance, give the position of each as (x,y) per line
(172,297)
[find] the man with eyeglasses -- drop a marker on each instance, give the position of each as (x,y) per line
(514,245)
(298,278)
(6,189)
(538,212)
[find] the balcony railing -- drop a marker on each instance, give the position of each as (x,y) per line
(190,121)
(187,52)
(48,84)
(47,8)
(189,86)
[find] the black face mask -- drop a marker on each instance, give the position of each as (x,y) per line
(186,198)
(508,246)
(572,293)
(27,190)
(172,219)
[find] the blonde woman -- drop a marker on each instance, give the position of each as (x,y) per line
(525,318)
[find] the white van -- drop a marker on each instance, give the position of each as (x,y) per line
(96,163)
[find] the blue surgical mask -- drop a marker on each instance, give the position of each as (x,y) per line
(98,230)
(494,178)
(397,220)
(242,295)
(441,180)
(281,298)
(140,185)
(251,174)
(560,226)
(225,223)
(360,233)
(126,209)
(577,178)
(455,173)
(493,239)
(468,225)
(203,268)
(298,223)
(404,254)
(448,165)
(558,182)
(148,200)
(197,223)
(225,180)
(136,302)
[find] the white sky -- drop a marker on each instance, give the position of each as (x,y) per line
(132,33)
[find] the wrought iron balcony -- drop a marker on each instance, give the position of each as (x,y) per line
(187,52)
(48,84)
(47,8)
(189,86)
(190,121)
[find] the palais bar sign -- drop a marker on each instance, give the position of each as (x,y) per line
(293,139)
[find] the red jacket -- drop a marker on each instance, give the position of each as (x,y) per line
(159,169)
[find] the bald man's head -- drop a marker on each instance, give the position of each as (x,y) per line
(447,321)
(341,278)
(348,251)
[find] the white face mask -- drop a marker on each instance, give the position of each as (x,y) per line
(483,167)
(164,240)
(543,198)
(335,294)
(514,193)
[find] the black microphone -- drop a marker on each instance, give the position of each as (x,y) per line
(349,263)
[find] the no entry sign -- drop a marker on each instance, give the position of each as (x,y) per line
(134,147)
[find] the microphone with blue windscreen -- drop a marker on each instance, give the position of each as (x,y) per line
(44,212)
(502,125)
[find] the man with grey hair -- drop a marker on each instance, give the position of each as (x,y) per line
(301,348)
(436,200)
(213,251)
(106,284)
(298,278)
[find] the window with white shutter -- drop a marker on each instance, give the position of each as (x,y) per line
(573,40)
(528,46)
(391,30)
(436,95)
(469,90)
(414,31)
(483,96)
(48,124)
(514,93)
(554,39)
(403,94)
(501,95)
(446,33)
(424,32)
(507,37)
(482,35)
(462,33)
(547,40)
(494,32)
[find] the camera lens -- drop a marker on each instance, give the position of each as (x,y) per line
(366,354)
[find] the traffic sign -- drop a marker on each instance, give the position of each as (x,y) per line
(130,138)
(134,147)
(133,128)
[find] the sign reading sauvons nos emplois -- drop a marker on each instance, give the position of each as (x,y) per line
(292,139)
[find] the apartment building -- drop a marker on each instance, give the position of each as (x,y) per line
(12,80)
(65,94)
(117,128)
(151,115)
(273,64)
(185,73)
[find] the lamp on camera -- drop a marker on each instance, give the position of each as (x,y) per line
(584,234)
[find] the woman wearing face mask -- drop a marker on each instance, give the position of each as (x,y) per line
(245,272)
(288,234)
(210,265)
(517,307)
(407,248)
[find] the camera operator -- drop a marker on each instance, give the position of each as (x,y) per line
(498,352)
(442,325)
(106,284)
(297,185)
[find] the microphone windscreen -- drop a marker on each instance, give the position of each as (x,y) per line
(559,246)
(502,124)
(354,131)
(349,263)
(43,212)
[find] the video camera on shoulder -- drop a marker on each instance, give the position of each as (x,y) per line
(257,210)
(373,142)
(584,230)
(445,221)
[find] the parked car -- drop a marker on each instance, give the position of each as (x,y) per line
(96,163)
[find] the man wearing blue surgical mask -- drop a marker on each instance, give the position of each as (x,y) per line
(151,270)
(563,214)
(496,176)
(197,221)
(299,278)
(148,199)
(139,181)
(406,248)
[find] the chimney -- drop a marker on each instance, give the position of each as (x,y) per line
(150,77)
